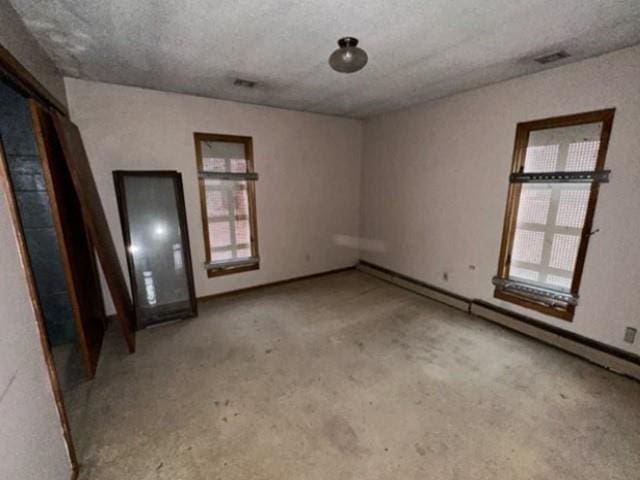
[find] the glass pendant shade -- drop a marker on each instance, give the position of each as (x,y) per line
(348,58)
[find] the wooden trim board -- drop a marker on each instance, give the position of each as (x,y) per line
(612,358)
(435,293)
(206,298)
(25,82)
(96,222)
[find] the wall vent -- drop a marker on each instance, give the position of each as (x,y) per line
(240,82)
(552,57)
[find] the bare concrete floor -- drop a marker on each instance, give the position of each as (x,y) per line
(347,377)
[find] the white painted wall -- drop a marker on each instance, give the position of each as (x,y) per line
(434,187)
(309,168)
(31,441)
(15,37)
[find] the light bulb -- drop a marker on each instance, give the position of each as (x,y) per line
(348,58)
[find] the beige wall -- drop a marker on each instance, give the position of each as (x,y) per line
(15,38)
(309,168)
(434,187)
(31,442)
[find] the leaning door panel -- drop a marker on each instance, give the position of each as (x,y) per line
(96,222)
(76,251)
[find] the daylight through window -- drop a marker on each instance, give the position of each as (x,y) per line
(226,176)
(558,165)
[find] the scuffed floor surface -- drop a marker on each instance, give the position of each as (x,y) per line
(347,377)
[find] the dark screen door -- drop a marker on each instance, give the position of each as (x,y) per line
(155,234)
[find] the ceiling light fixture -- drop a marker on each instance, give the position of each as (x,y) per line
(348,58)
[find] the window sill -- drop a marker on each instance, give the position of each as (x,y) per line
(564,313)
(213,271)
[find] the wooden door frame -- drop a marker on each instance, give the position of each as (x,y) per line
(25,83)
(43,140)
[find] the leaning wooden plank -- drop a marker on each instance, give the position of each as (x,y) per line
(96,221)
(74,245)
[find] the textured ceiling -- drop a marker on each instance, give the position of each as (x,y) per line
(418,49)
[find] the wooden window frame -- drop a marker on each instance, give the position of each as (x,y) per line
(251,195)
(513,197)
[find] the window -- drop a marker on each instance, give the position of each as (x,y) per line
(558,165)
(227,195)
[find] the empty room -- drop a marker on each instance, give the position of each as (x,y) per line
(259,240)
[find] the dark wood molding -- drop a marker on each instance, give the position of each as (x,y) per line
(574,337)
(76,252)
(539,325)
(561,313)
(417,283)
(26,82)
(200,137)
(605,115)
(96,222)
(206,298)
(220,272)
(523,130)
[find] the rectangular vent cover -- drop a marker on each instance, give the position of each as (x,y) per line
(552,57)
(239,82)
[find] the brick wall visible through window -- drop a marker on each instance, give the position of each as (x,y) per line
(226,176)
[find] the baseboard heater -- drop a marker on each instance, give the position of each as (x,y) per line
(612,358)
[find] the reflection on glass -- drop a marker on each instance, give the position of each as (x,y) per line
(162,284)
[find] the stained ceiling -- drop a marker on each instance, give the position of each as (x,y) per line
(418,49)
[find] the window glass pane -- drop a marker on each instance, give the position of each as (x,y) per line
(524,274)
(217,200)
(572,207)
(561,282)
(527,246)
(213,164)
(223,157)
(548,232)
(220,234)
(221,255)
(229,219)
(572,148)
(242,232)
(541,158)
(534,205)
(238,165)
(564,250)
(582,156)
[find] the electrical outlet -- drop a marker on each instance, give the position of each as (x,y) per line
(445,276)
(630,334)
